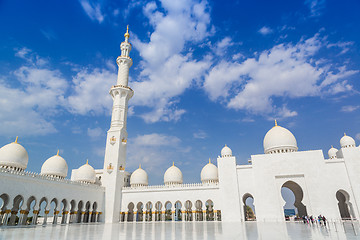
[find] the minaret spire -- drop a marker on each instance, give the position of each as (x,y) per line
(115,152)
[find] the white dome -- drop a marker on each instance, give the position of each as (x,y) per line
(347,141)
(55,166)
(226,152)
(279,140)
(14,155)
(139,178)
(85,173)
(209,173)
(332,152)
(173,175)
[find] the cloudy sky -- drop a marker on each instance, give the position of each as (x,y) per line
(205,74)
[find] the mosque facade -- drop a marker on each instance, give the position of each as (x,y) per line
(321,186)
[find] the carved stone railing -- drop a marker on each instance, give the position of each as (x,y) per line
(175,186)
(46,178)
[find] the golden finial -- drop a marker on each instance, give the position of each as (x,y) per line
(209,160)
(225,145)
(173,163)
(16,139)
(87,161)
(127,35)
(344,134)
(331,146)
(275,122)
(140,166)
(57,153)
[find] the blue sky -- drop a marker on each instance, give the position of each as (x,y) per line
(205,74)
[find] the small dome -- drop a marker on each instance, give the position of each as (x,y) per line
(139,178)
(347,141)
(14,155)
(332,152)
(55,166)
(209,173)
(173,175)
(85,173)
(279,140)
(226,152)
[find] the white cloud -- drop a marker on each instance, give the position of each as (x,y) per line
(156,139)
(93,10)
(357,136)
(200,134)
(221,46)
(285,71)
(27,110)
(166,72)
(265,30)
(315,7)
(95,132)
(350,108)
(88,92)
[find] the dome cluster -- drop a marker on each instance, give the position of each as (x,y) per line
(14,156)
(345,142)
(173,176)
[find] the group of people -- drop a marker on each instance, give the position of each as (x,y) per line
(321,220)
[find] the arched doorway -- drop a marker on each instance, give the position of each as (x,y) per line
(168,214)
(293,198)
(17,204)
(87,212)
(139,214)
(130,217)
(249,208)
(93,213)
(79,212)
(148,215)
(4,200)
(158,209)
(178,214)
(198,211)
(209,214)
(188,211)
(344,204)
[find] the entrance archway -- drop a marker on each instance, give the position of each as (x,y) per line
(298,195)
(249,208)
(130,217)
(345,206)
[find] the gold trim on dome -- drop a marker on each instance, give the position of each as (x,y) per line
(16,140)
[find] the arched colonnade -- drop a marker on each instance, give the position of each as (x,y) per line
(33,211)
(171,211)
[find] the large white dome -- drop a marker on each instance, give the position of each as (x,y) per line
(139,178)
(226,152)
(173,175)
(347,141)
(14,155)
(55,166)
(85,173)
(209,173)
(332,152)
(279,140)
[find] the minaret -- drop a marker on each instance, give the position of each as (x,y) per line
(115,152)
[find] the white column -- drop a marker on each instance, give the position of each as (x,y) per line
(152,216)
(5,217)
(182,215)
(45,217)
(115,152)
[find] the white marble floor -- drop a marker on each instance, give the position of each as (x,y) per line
(182,231)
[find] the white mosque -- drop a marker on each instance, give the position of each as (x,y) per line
(329,187)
